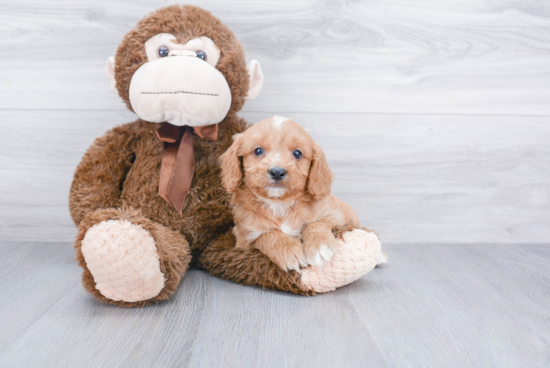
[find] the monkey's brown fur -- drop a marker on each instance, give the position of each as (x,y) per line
(118,177)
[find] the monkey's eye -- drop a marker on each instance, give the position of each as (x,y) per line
(163,51)
(201,55)
(259,151)
(297,154)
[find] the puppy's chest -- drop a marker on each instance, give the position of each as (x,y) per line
(288,219)
(292,229)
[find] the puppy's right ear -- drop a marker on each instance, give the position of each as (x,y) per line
(320,177)
(230,163)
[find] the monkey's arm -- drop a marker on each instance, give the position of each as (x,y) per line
(99,178)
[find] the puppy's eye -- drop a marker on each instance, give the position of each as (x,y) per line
(201,55)
(163,51)
(259,151)
(297,154)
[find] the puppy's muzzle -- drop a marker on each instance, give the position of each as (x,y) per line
(277,173)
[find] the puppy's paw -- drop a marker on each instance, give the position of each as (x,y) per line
(288,254)
(320,249)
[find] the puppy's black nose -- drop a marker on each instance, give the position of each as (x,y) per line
(277,173)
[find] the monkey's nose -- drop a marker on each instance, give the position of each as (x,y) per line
(277,173)
(182,53)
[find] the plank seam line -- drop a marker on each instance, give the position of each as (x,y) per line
(297,112)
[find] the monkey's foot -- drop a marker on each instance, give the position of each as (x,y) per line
(123,260)
(358,253)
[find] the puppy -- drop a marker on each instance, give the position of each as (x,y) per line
(280,181)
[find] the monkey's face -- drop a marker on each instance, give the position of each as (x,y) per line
(183,66)
(180,83)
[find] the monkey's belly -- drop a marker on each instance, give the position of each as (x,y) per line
(206,212)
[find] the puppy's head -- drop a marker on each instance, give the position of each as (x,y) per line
(279,160)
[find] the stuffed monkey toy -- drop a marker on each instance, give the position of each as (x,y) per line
(147,197)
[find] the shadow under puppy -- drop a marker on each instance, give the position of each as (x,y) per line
(280,181)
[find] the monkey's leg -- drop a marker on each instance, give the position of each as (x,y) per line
(129,260)
(247,266)
(358,253)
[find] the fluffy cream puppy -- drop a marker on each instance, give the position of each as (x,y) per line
(280,181)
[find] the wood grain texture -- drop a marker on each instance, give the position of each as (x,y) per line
(412,178)
(475,57)
(431,306)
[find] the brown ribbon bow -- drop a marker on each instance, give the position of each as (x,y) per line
(178,160)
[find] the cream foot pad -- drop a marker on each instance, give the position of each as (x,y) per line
(359,252)
(123,260)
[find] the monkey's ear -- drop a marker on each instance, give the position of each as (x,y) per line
(256,79)
(230,162)
(110,71)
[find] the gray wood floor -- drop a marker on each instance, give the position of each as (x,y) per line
(432,306)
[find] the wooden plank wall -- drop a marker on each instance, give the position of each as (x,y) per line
(435,116)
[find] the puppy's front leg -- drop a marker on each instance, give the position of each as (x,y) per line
(319,242)
(285,251)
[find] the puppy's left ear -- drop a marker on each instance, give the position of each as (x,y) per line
(320,177)
(230,163)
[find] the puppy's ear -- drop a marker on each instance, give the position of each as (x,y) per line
(320,177)
(230,163)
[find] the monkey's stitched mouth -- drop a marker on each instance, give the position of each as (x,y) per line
(177,92)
